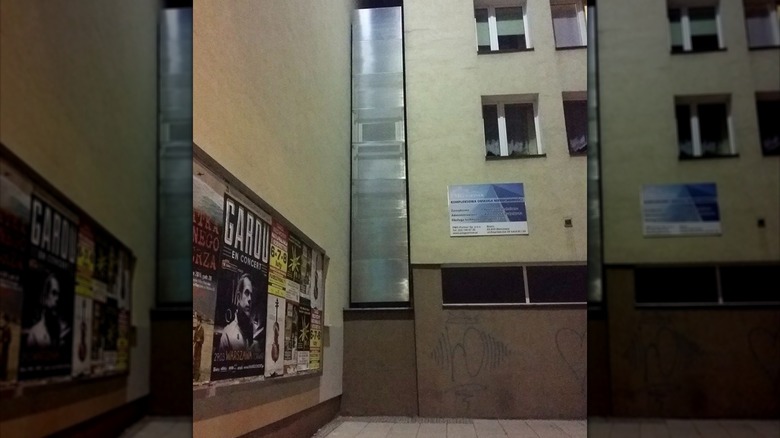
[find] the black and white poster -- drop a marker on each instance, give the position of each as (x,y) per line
(240,320)
(49,283)
(274,349)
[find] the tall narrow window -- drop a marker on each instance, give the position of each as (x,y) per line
(575,112)
(768,125)
(501,29)
(568,25)
(762,23)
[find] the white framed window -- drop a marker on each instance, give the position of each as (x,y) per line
(511,126)
(575,113)
(569,24)
(501,28)
(695,29)
(704,127)
(762,22)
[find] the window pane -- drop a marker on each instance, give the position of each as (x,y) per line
(382,131)
(713,126)
(684,138)
(676,284)
(509,23)
(576,114)
(769,127)
(490,121)
(483,30)
(704,29)
(520,130)
(483,285)
(566,26)
(750,283)
(759,26)
(675,27)
(557,284)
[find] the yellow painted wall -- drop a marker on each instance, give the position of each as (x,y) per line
(445,79)
(271,93)
(639,80)
(78,103)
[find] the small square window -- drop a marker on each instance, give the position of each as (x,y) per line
(501,29)
(569,25)
(576,114)
(769,128)
(761,21)
(510,129)
(695,29)
(703,129)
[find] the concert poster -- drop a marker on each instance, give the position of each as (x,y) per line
(294,256)
(207,203)
(304,335)
(275,348)
(307,286)
(315,342)
(110,329)
(100,357)
(82,321)
(277,278)
(49,284)
(317,272)
(14,230)
(291,338)
(242,285)
(125,310)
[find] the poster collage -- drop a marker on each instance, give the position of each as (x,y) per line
(257,289)
(65,288)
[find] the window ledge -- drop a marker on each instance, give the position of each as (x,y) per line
(705,157)
(496,52)
(695,52)
(760,48)
(513,157)
(571,47)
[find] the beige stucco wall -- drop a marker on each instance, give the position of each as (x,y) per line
(271,93)
(639,79)
(78,103)
(445,79)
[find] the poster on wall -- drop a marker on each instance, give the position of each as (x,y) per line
(307,287)
(49,284)
(315,343)
(275,348)
(14,227)
(123,340)
(294,259)
(277,279)
(680,210)
(303,336)
(242,282)
(207,192)
(317,279)
(291,338)
(487,210)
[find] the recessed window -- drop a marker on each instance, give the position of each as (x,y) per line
(575,111)
(768,109)
(695,29)
(761,21)
(510,128)
(501,29)
(703,128)
(569,24)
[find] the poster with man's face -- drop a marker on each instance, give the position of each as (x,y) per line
(240,315)
(49,283)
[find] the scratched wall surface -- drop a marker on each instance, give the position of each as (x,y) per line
(497,363)
(691,362)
